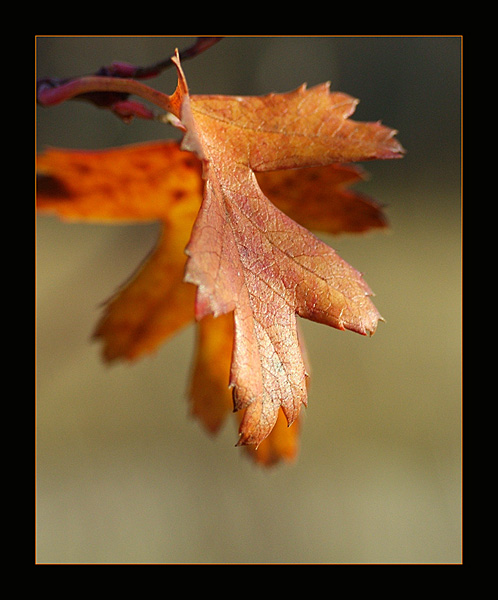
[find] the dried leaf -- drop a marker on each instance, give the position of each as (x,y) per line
(235,224)
(153,182)
(319,198)
(210,396)
(248,257)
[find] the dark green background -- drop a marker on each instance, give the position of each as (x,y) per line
(124,475)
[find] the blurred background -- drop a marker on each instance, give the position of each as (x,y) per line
(124,475)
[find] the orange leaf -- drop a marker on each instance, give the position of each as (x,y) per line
(318,198)
(244,254)
(281,444)
(158,181)
(304,128)
(211,398)
(248,257)
(143,182)
(151,307)
(138,183)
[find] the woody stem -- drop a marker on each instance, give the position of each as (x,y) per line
(51,96)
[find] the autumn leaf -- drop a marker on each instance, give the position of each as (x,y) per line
(319,198)
(152,182)
(160,182)
(211,399)
(235,226)
(248,257)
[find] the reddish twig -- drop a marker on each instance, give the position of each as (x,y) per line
(126,70)
(111,86)
(113,91)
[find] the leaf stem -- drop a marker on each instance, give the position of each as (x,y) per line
(51,96)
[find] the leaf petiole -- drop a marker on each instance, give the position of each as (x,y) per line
(48,95)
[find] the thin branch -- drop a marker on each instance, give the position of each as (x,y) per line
(111,86)
(201,45)
(95,84)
